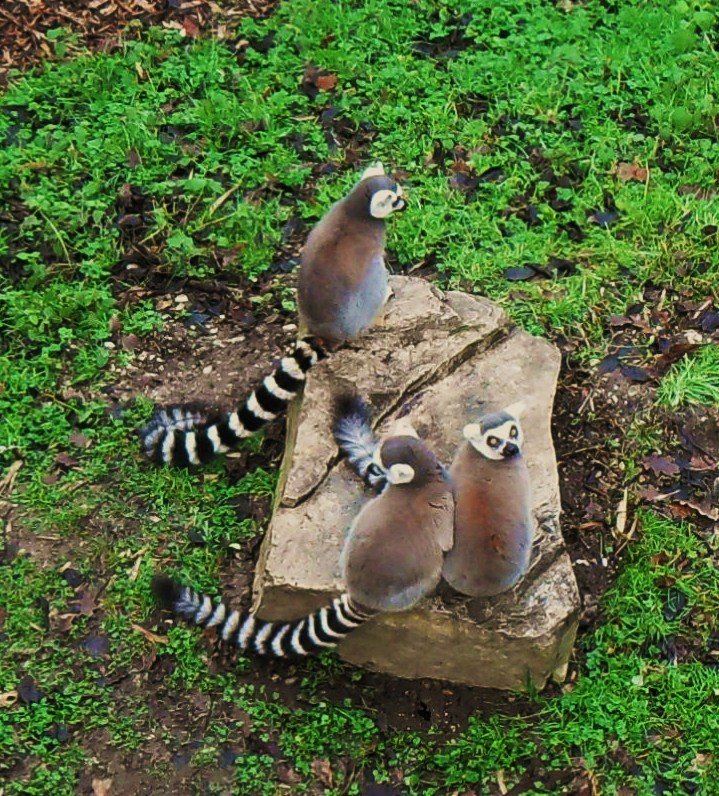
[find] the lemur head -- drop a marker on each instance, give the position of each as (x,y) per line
(407,461)
(498,435)
(377,193)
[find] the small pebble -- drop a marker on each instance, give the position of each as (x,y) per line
(181,299)
(289,327)
(207,369)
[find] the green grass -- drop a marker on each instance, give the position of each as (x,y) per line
(693,380)
(586,86)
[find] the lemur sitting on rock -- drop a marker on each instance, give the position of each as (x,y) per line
(493,527)
(392,559)
(343,285)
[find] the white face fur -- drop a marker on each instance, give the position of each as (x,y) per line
(400,474)
(497,443)
(385,202)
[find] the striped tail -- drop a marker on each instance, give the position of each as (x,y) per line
(357,442)
(181,437)
(321,630)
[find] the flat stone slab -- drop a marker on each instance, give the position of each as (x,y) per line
(441,360)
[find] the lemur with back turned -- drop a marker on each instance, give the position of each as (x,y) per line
(493,527)
(342,287)
(391,559)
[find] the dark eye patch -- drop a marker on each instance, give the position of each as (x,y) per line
(513,432)
(492,441)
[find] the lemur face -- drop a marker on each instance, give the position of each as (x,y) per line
(406,460)
(385,194)
(387,201)
(497,436)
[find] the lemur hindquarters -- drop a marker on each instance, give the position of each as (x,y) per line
(392,558)
(343,285)
(493,527)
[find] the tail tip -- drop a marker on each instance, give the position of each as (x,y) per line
(182,418)
(316,344)
(350,405)
(166,590)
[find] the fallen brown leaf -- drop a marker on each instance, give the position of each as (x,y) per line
(701,760)
(8,699)
(86,605)
(80,440)
(149,635)
(323,771)
(631,171)
(660,465)
(8,479)
(326,82)
(63,622)
(315,80)
(28,691)
(680,512)
(636,373)
(66,460)
(702,464)
(287,775)
(191,28)
(673,351)
(133,158)
(704,507)
(102,787)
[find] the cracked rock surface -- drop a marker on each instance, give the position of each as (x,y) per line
(441,360)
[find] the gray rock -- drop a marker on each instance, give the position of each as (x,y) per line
(440,360)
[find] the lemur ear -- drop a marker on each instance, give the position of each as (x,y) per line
(375,169)
(515,409)
(400,474)
(472,431)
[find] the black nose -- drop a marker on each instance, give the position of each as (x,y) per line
(509,450)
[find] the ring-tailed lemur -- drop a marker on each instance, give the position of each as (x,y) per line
(343,285)
(392,558)
(493,526)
